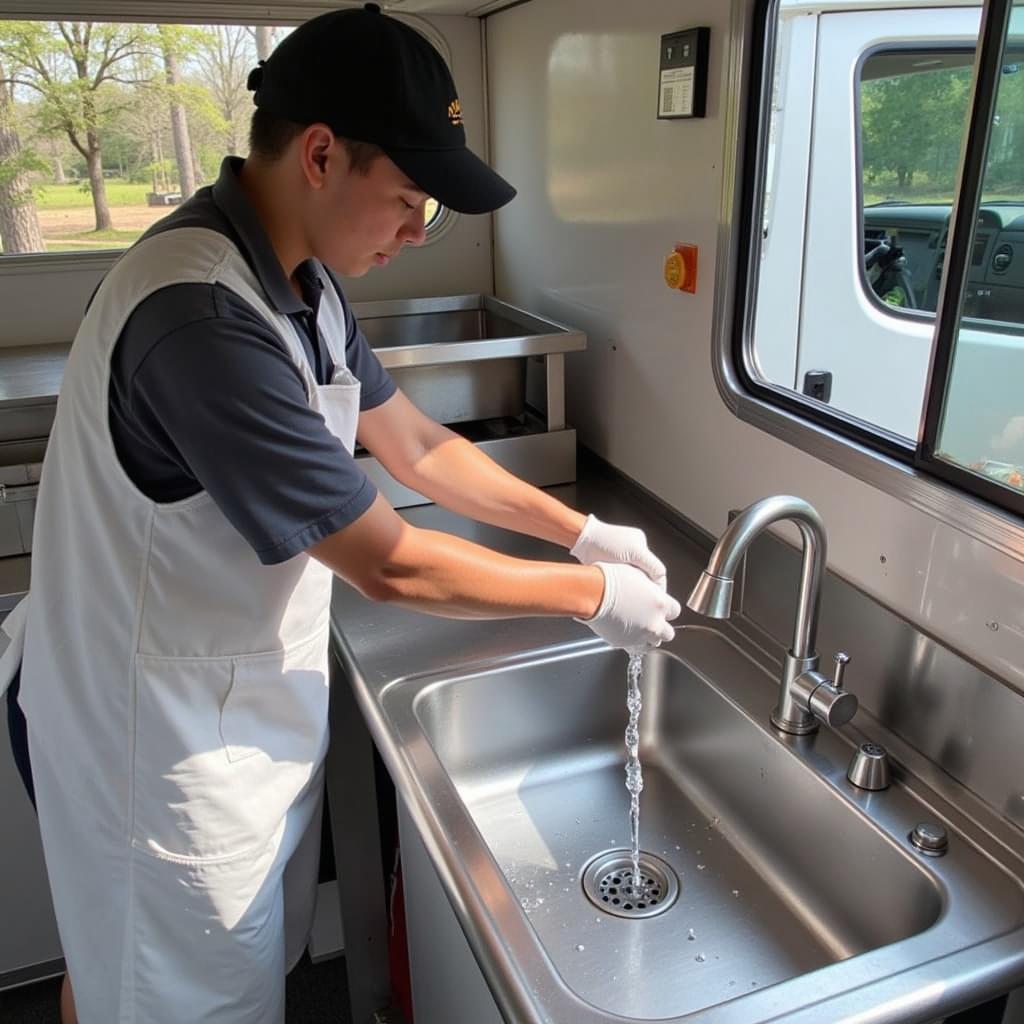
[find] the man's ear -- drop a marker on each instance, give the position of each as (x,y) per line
(317,141)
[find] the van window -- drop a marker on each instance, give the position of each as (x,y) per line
(884,288)
(982,424)
(105,127)
(862,160)
(912,109)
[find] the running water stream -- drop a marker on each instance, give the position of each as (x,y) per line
(634,775)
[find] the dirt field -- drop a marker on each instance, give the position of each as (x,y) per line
(67,223)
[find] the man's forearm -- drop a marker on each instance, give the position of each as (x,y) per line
(459,476)
(394,562)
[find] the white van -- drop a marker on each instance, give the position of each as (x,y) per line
(868,112)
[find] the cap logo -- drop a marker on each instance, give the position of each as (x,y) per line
(455,113)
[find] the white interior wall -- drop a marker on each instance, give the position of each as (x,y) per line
(42,301)
(605,190)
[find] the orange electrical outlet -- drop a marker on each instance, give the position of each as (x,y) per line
(681,267)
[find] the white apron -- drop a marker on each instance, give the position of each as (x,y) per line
(176,696)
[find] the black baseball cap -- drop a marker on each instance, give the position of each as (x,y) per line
(372,78)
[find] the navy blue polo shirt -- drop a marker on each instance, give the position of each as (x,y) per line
(204,395)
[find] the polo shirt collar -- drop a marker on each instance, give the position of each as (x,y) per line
(252,238)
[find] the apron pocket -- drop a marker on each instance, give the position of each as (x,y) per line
(223,747)
(277,705)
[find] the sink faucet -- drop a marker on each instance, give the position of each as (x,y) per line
(805,695)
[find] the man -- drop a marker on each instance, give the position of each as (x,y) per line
(198,497)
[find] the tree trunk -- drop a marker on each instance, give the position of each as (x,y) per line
(232,132)
(264,41)
(97,185)
(19,223)
(198,165)
(59,177)
(179,126)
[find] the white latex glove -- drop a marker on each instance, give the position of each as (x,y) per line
(605,542)
(634,611)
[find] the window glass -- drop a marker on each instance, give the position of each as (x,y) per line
(860,172)
(105,127)
(432,211)
(912,105)
(982,425)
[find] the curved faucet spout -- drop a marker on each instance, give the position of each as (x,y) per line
(712,596)
(713,592)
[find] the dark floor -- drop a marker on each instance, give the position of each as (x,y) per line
(316,994)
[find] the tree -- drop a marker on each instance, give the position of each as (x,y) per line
(19,222)
(171,43)
(264,35)
(914,121)
(225,59)
(68,63)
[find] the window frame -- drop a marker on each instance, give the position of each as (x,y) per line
(959,248)
(184,12)
(861,450)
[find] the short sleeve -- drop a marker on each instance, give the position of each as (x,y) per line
(216,395)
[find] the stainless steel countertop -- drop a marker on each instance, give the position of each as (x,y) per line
(31,374)
(14,578)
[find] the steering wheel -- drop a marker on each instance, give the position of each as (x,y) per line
(886,268)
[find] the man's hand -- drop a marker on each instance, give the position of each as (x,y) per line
(635,611)
(605,542)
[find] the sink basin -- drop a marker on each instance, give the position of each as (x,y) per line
(798,894)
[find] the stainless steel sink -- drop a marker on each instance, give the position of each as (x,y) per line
(799,895)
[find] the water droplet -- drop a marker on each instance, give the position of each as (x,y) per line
(699,958)
(735,892)
(678,847)
(691,935)
(700,867)
(580,948)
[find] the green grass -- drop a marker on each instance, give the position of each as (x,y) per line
(928,194)
(74,195)
(67,245)
(113,235)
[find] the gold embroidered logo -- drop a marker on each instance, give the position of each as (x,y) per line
(455,113)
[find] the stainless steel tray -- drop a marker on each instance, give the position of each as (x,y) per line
(459,328)
(462,358)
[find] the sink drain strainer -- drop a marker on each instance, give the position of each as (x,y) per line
(608,884)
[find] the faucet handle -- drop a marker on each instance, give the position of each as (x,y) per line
(829,701)
(842,660)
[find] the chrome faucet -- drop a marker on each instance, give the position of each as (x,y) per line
(805,694)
